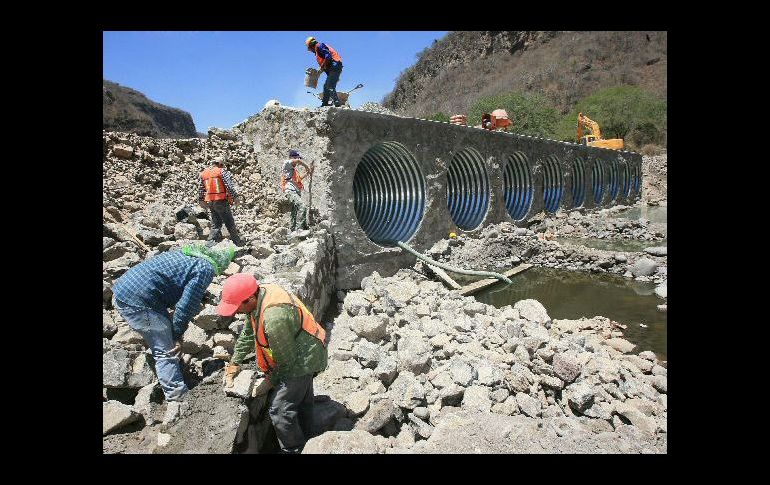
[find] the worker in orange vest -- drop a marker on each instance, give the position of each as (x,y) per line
(331,63)
(291,185)
(216,193)
(290,347)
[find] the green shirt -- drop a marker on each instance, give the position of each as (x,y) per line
(296,352)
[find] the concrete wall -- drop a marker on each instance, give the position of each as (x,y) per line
(433,146)
(338,140)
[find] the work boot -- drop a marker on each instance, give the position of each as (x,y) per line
(239,242)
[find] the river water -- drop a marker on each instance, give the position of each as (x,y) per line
(574,294)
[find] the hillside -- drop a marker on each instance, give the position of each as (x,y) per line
(125,109)
(562,66)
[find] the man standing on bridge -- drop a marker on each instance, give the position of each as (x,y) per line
(331,63)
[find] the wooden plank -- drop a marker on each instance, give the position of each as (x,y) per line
(479,285)
(445,277)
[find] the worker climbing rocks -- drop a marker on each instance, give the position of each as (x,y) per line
(290,347)
(291,185)
(145,292)
(216,193)
(331,63)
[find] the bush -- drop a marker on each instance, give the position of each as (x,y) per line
(531,114)
(651,150)
(438,117)
(626,112)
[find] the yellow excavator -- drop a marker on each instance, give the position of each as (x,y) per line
(595,138)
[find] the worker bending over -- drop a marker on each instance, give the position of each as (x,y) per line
(290,348)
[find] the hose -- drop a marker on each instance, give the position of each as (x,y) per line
(443,266)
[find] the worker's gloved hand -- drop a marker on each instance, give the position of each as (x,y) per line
(236,201)
(203,204)
(231,370)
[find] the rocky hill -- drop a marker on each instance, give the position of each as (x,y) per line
(125,109)
(563,66)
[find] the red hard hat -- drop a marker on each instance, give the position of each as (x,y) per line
(236,289)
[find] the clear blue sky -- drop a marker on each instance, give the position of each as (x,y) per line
(222,78)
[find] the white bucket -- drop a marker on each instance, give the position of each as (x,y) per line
(311,77)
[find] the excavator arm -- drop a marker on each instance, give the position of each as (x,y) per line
(585,121)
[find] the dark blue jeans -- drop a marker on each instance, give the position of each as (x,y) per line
(330,86)
(221,213)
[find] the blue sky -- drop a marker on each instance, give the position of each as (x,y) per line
(222,78)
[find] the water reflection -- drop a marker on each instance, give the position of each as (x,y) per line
(572,295)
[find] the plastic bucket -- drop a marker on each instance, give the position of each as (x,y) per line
(311,77)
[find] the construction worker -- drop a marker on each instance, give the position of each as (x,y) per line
(291,184)
(216,193)
(331,63)
(290,348)
(145,292)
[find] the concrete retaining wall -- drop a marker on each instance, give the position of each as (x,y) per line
(423,179)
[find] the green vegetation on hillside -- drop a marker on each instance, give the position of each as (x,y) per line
(626,112)
(531,114)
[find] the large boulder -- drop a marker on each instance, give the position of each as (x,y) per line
(372,328)
(414,354)
(643,267)
(115,415)
(566,367)
(406,391)
(342,443)
(533,311)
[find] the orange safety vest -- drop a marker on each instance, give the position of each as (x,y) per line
(335,56)
(275,295)
(215,186)
(295,178)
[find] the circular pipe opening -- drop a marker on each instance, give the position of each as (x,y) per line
(517,186)
(625,179)
(552,184)
(598,182)
(467,189)
(388,194)
(578,182)
(637,178)
(613,180)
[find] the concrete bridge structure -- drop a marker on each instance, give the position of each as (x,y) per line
(381,179)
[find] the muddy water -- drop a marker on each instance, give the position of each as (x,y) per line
(571,295)
(630,245)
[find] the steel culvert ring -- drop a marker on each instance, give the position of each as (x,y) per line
(625,179)
(637,178)
(389,194)
(613,182)
(517,186)
(467,189)
(578,182)
(552,183)
(598,182)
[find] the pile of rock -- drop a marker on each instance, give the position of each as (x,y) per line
(598,225)
(655,179)
(375,108)
(406,353)
(504,246)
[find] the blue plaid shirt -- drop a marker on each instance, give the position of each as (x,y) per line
(164,281)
